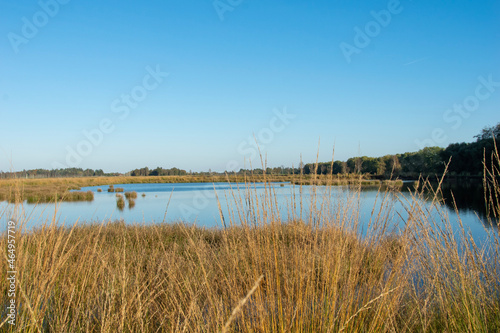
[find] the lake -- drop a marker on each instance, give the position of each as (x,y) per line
(197,203)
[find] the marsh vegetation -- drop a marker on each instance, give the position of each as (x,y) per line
(314,271)
(63,189)
(120,202)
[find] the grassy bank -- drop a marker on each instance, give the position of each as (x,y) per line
(52,189)
(332,181)
(15,191)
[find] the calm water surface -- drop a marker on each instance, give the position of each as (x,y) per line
(197,203)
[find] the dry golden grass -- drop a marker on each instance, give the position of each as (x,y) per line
(309,271)
(38,191)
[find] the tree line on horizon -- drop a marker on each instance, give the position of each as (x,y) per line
(57,173)
(466,159)
(158,172)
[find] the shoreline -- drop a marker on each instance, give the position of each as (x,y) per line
(45,190)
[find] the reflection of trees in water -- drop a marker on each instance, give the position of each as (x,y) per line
(467,195)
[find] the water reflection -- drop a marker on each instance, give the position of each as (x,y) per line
(466,196)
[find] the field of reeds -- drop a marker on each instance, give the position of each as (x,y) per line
(310,271)
(42,194)
(336,181)
(44,190)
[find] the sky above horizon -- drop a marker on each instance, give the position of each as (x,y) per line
(119,85)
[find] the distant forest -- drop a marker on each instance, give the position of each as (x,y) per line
(56,173)
(466,160)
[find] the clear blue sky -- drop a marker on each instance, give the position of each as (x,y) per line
(231,66)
